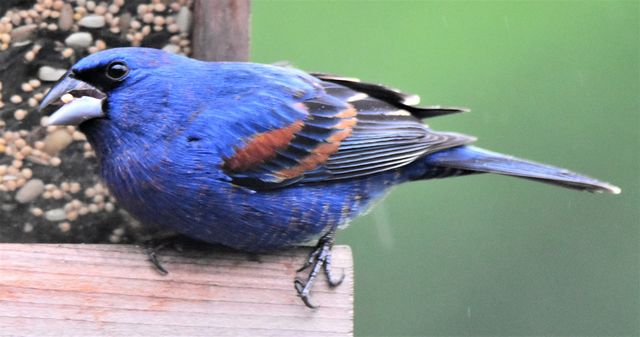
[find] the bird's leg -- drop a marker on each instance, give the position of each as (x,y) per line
(319,258)
(154,246)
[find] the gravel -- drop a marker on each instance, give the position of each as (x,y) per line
(57,214)
(92,21)
(30,191)
(79,40)
(49,185)
(50,74)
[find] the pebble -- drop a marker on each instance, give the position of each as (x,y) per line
(79,40)
(92,21)
(57,141)
(125,20)
(65,20)
(50,74)
(184,20)
(171,48)
(57,214)
(8,207)
(27,228)
(64,227)
(30,191)
(23,33)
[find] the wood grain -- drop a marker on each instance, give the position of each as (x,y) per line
(113,290)
(221,30)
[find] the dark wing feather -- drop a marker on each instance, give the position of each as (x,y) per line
(392,96)
(346,134)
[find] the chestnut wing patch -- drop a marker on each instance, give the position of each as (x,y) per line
(261,147)
(281,157)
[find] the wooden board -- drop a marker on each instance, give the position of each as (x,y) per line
(113,290)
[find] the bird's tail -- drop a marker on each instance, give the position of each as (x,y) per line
(470,159)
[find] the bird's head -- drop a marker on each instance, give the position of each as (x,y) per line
(112,87)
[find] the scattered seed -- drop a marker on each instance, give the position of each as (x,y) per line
(20,114)
(16,99)
(55,161)
(64,227)
(36,211)
(74,188)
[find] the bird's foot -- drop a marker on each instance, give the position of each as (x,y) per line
(154,246)
(319,259)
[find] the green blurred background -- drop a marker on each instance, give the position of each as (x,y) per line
(557,82)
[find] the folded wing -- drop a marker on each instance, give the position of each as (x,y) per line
(350,129)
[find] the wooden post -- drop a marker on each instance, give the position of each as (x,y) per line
(221,30)
(113,290)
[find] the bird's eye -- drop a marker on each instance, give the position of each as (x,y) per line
(117,70)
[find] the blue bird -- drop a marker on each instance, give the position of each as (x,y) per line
(259,157)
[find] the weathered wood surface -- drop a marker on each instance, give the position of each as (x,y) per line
(112,290)
(221,30)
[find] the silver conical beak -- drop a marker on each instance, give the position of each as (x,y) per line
(76,101)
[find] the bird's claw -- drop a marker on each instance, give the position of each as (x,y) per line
(153,246)
(319,259)
(152,253)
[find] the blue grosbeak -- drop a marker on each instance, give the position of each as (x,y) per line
(259,157)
